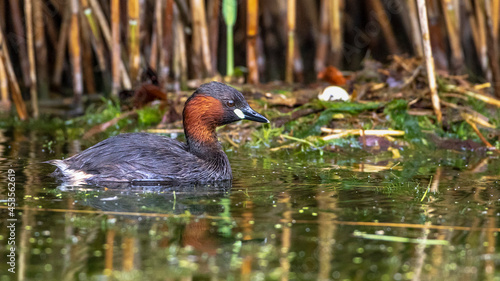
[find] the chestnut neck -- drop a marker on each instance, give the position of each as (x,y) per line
(202,115)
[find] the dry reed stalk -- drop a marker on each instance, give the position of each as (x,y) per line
(180,59)
(76,55)
(17,98)
(341,133)
(429,59)
(415,29)
(252,30)
(153,57)
(19,37)
(96,38)
(61,47)
(451,19)
(492,49)
(385,25)
(298,64)
(41,49)
(155,34)
(52,29)
(2,13)
(4,87)
(205,43)
(322,40)
(213,27)
(335,8)
(58,5)
(28,12)
(481,30)
(495,16)
(133,40)
(473,25)
(291,22)
(197,40)
(103,24)
(166,45)
(115,47)
(159,32)
(87,58)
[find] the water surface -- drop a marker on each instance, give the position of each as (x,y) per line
(289,215)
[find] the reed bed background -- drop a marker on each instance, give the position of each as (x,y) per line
(52,49)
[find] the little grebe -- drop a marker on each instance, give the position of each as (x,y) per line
(142,156)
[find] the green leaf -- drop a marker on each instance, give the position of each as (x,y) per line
(229,11)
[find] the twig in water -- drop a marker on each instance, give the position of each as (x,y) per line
(426,190)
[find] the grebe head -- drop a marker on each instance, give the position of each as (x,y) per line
(215,104)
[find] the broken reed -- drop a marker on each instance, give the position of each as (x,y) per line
(113,41)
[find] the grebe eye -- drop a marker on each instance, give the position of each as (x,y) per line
(230,103)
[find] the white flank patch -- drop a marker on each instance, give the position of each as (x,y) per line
(76,177)
(239,113)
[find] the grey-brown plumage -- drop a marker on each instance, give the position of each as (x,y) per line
(142,156)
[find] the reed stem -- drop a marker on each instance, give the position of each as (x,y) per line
(4,87)
(103,24)
(28,11)
(116,48)
(229,12)
(213,27)
(89,25)
(291,18)
(492,49)
(252,31)
(429,59)
(41,50)
(385,25)
(335,8)
(452,27)
(20,37)
(230,52)
(133,39)
(17,98)
(76,56)
(415,30)
(166,48)
(61,47)
(87,57)
(322,41)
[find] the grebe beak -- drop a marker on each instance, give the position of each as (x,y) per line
(250,114)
